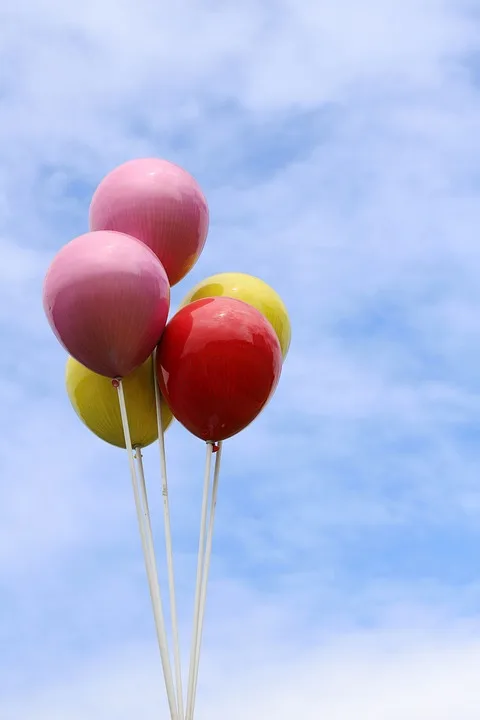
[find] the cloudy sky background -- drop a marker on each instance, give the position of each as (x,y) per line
(338,147)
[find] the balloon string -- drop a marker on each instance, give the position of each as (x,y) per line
(198,585)
(149,555)
(168,544)
(206,567)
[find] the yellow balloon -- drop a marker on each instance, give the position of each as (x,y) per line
(95,401)
(253,291)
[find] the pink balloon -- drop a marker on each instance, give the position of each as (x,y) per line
(107,297)
(158,203)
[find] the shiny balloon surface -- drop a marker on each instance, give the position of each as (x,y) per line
(219,362)
(107,297)
(95,401)
(159,203)
(253,291)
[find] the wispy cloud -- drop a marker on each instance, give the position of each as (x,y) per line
(339,152)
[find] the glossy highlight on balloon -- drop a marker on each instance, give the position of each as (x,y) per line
(106,297)
(253,291)
(95,401)
(218,364)
(159,203)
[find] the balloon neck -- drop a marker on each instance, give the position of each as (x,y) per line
(215,447)
(116,382)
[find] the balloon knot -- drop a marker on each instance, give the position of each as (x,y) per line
(116,383)
(215,447)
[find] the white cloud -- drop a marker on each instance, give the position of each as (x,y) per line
(338,148)
(381,675)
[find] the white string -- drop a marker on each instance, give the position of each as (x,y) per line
(149,558)
(206,569)
(168,543)
(198,585)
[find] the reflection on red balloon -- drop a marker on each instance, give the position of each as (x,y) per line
(219,362)
(106,297)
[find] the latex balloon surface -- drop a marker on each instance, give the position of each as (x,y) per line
(219,362)
(106,297)
(253,291)
(159,203)
(95,401)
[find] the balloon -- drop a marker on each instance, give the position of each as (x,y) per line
(253,291)
(218,364)
(158,203)
(95,401)
(106,297)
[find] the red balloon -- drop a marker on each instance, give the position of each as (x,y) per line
(218,364)
(159,203)
(106,297)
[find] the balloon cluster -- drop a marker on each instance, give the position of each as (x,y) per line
(107,299)
(213,366)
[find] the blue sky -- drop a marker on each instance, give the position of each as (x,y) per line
(339,151)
